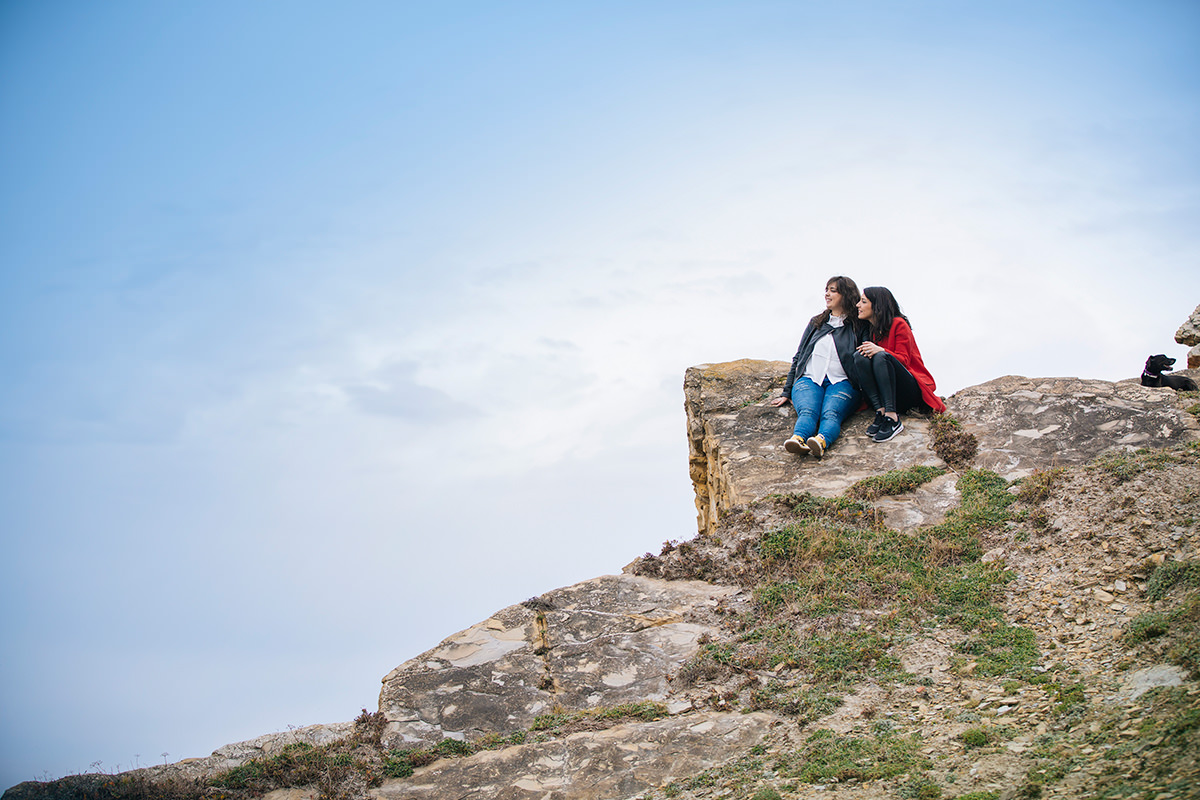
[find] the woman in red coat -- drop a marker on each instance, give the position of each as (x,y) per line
(890,370)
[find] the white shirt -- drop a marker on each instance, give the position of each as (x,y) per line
(824,362)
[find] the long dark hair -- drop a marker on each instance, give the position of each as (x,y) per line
(848,289)
(884,310)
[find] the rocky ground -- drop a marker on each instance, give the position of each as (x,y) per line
(1116,713)
(877,624)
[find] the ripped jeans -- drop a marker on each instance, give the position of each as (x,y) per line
(822,409)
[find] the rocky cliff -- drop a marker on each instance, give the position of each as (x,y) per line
(1189,334)
(1021,621)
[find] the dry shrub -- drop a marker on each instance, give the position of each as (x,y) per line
(953,444)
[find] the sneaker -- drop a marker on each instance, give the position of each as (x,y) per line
(816,445)
(888,429)
(796,445)
(874,427)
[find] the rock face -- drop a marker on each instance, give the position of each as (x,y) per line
(735,441)
(1189,334)
(1025,424)
(1022,424)
(603,642)
(616,763)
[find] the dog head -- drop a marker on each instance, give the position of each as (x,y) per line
(1159,364)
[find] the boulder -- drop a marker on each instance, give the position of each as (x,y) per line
(603,642)
(1024,424)
(615,763)
(1189,331)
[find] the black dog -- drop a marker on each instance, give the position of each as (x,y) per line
(1152,375)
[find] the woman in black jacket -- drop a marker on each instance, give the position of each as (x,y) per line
(822,383)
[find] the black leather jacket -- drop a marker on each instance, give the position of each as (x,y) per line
(845,339)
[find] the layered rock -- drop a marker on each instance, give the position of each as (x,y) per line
(603,642)
(1025,424)
(1021,424)
(735,438)
(1189,334)
(616,763)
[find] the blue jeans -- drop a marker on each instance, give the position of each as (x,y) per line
(822,409)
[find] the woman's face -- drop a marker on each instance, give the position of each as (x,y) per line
(865,312)
(833,299)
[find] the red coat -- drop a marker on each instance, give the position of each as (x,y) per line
(900,343)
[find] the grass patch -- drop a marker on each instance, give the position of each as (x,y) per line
(806,703)
(1178,627)
(835,558)
(965,595)
(597,718)
(713,662)
(919,787)
(836,657)
(1003,650)
(806,506)
(975,737)
(896,481)
(1035,488)
(1145,627)
(737,775)
(823,567)
(1170,574)
(826,756)
(341,769)
(984,506)
(1068,697)
(1127,466)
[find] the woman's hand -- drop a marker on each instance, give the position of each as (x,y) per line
(778,401)
(870,349)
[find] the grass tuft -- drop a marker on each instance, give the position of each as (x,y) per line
(893,482)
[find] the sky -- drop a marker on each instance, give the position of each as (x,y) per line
(330,329)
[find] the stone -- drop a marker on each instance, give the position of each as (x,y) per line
(615,763)
(1193,360)
(1189,331)
(995,554)
(1025,424)
(1143,680)
(603,642)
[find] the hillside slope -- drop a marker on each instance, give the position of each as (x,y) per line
(1012,613)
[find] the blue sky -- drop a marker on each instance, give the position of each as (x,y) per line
(327,330)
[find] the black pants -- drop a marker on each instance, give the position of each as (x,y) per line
(887,383)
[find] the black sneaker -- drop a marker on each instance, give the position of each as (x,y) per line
(873,428)
(888,429)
